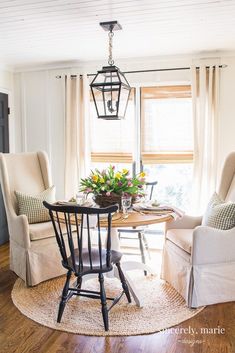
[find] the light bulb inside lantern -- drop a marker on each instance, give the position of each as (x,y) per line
(112,107)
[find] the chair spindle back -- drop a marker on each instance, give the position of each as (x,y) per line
(73,227)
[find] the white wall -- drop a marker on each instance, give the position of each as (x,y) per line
(6,86)
(39,102)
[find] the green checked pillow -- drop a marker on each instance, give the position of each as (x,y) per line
(32,206)
(219,214)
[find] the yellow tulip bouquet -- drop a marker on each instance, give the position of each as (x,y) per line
(109,185)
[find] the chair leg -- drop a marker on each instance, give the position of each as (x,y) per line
(64,296)
(123,280)
(140,236)
(79,282)
(146,245)
(103,302)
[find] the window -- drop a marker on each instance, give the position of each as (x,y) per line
(167,141)
(165,145)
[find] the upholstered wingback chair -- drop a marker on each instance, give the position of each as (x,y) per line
(34,254)
(199,261)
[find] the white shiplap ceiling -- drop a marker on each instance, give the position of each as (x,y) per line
(36,32)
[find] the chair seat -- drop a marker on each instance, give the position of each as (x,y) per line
(115,257)
(182,238)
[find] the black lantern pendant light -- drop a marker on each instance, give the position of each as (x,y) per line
(110,89)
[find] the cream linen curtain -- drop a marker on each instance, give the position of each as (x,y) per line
(205,87)
(77,144)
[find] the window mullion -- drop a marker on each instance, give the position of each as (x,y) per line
(137,144)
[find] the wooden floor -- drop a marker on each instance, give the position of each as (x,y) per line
(21,335)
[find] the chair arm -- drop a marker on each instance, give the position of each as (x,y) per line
(185,222)
(211,245)
(19,230)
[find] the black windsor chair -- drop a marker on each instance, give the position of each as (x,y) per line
(81,257)
(140,232)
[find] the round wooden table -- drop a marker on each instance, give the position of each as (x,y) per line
(137,219)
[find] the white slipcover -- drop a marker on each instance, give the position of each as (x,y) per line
(199,261)
(34,253)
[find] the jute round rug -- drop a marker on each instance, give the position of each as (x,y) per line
(163,308)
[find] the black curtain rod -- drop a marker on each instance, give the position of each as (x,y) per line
(153,70)
(159,70)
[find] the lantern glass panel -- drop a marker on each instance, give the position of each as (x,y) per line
(124,95)
(111,95)
(98,95)
(107,75)
(111,77)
